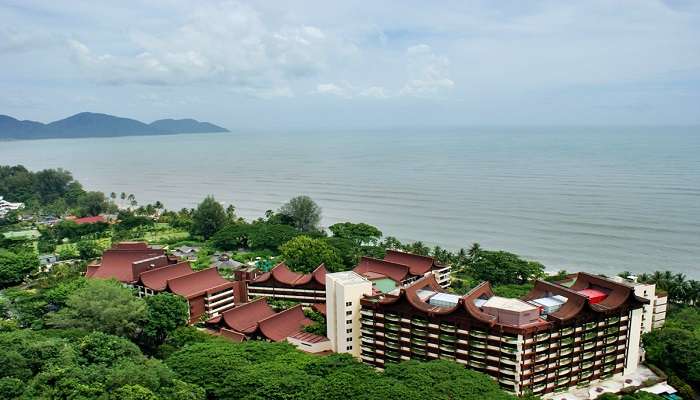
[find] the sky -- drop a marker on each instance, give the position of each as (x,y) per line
(269,65)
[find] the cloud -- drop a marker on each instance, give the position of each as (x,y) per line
(227,44)
(13,40)
(429,73)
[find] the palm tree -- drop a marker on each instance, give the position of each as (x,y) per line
(113,196)
(474,250)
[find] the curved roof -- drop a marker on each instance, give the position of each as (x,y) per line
(197,283)
(481,290)
(429,282)
(118,263)
(157,279)
(319,274)
(283,274)
(617,293)
(418,265)
(285,323)
(245,318)
(389,269)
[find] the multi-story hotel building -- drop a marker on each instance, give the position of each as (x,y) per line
(556,337)
(397,269)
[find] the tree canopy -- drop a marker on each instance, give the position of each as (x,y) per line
(304,254)
(208,218)
(304,213)
(359,233)
(102,305)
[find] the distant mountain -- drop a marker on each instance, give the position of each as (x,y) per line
(88,124)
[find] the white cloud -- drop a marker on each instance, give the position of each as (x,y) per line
(429,73)
(227,44)
(331,88)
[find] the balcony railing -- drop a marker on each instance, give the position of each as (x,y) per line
(393,327)
(392,317)
(419,342)
(448,328)
(447,338)
(567,331)
(419,322)
(478,334)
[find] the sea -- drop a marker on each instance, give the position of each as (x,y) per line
(596,199)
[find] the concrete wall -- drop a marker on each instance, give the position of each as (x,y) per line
(343,293)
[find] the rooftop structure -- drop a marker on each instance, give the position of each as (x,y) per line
(554,338)
(6,207)
(257,320)
(395,270)
(284,284)
(150,271)
(89,220)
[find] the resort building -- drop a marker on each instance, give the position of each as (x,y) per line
(397,269)
(345,289)
(654,314)
(281,283)
(556,337)
(149,271)
(257,320)
(126,261)
(6,207)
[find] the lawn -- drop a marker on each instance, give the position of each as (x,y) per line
(26,234)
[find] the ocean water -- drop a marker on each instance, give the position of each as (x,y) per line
(595,199)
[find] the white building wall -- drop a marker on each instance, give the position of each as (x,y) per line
(343,293)
(634,336)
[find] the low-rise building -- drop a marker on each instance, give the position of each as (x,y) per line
(554,338)
(397,269)
(150,271)
(257,320)
(281,283)
(6,207)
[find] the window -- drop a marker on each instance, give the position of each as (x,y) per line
(349,330)
(348,322)
(348,313)
(348,339)
(349,347)
(348,303)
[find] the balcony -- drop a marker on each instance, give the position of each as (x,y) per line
(419,322)
(478,344)
(478,334)
(509,339)
(392,345)
(419,342)
(509,350)
(391,336)
(541,336)
(392,317)
(448,328)
(614,320)
(447,338)
(566,341)
(392,327)
(567,331)
(565,351)
(477,354)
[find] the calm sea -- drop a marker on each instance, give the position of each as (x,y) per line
(602,200)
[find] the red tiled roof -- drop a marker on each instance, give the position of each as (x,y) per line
(418,265)
(319,274)
(391,270)
(288,322)
(119,264)
(130,246)
(89,220)
(308,337)
(157,279)
(283,274)
(198,283)
(244,318)
(320,307)
(232,335)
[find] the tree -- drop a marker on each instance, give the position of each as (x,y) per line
(51,184)
(104,306)
(359,233)
(165,312)
(304,254)
(501,267)
(88,249)
(304,213)
(16,265)
(208,218)
(133,392)
(92,204)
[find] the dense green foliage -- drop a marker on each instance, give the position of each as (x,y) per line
(258,370)
(53,189)
(676,347)
(502,267)
(359,233)
(16,264)
(208,218)
(304,254)
(304,213)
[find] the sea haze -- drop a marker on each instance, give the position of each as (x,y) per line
(595,199)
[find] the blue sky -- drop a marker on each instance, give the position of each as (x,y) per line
(325,64)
